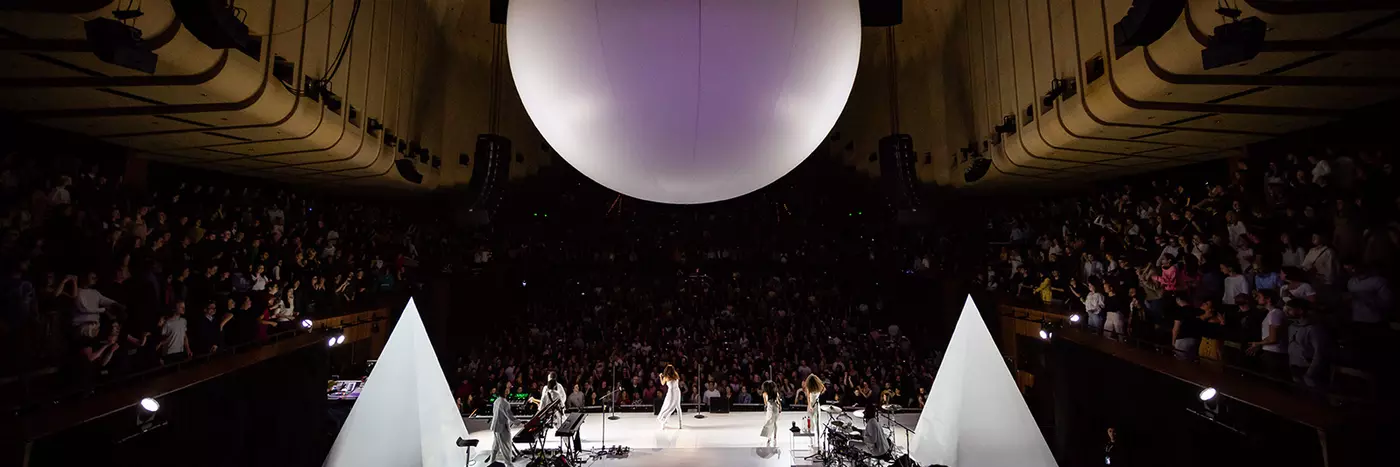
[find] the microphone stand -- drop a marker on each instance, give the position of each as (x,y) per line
(889,418)
(703,402)
(612,397)
(605,421)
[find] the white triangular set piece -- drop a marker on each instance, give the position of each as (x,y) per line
(405,415)
(975,415)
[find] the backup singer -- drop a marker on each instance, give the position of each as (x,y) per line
(501,422)
(772,407)
(672,405)
(553,392)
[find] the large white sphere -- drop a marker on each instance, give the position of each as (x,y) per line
(684,101)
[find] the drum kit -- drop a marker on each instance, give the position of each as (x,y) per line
(844,435)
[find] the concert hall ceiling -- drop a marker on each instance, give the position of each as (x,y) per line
(1038,86)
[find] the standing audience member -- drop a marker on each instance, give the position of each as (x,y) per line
(175,341)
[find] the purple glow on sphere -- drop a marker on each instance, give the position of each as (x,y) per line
(684,102)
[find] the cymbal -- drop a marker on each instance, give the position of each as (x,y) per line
(891,407)
(831,409)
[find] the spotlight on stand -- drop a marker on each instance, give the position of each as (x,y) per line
(1207,394)
(1046,335)
(340,339)
(150,405)
(330,342)
(306,324)
(1074,318)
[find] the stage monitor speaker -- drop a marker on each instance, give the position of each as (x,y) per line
(119,44)
(408,171)
(719,405)
(1144,23)
(881,13)
(498,11)
(215,23)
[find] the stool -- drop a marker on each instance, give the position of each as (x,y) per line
(811,441)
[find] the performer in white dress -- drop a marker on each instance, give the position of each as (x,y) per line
(501,421)
(772,407)
(814,388)
(672,405)
(552,392)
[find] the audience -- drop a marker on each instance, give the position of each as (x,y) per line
(1214,258)
(770,286)
(86,255)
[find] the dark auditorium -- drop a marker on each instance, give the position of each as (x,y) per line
(692,233)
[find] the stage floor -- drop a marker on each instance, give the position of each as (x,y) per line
(730,439)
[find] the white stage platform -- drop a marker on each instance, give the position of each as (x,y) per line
(718,439)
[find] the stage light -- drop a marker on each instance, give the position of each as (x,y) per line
(1074,318)
(684,131)
(150,405)
(306,324)
(1207,394)
(330,342)
(340,339)
(1046,335)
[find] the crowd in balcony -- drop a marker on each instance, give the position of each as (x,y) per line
(104,278)
(1288,254)
(777,285)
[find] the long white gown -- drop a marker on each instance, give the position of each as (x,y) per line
(770,424)
(501,420)
(672,404)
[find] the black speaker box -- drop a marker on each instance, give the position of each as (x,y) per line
(408,171)
(119,44)
(1144,23)
(214,23)
(719,405)
(881,13)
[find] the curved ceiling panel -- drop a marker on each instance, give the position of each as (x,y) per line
(1130,111)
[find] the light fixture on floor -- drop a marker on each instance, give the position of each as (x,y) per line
(1207,394)
(1046,335)
(306,324)
(150,405)
(1074,318)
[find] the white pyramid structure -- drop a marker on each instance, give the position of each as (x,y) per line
(975,415)
(405,415)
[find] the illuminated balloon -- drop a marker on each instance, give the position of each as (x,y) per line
(684,101)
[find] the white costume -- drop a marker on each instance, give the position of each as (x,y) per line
(553,392)
(501,421)
(770,424)
(672,404)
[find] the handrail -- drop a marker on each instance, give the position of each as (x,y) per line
(26,400)
(38,420)
(1239,384)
